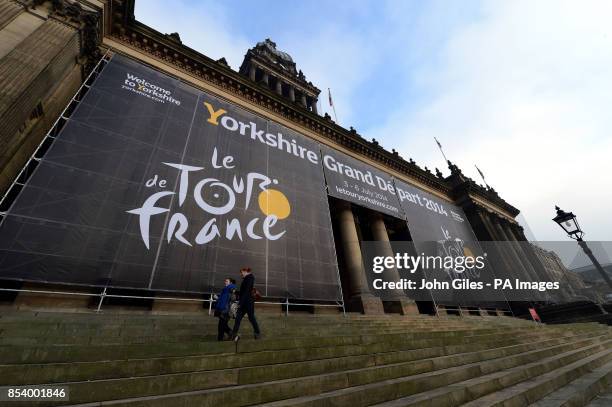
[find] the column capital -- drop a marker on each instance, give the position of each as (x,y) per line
(495,218)
(341,204)
(375,215)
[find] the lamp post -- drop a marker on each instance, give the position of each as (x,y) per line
(569,224)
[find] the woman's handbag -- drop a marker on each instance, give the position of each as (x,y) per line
(255,294)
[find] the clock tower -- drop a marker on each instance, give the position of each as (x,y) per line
(276,70)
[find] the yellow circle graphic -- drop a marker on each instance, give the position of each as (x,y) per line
(273,202)
(467,252)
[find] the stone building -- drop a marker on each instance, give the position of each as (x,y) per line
(47,48)
(575,287)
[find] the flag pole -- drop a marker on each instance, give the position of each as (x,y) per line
(442,151)
(482,176)
(331,103)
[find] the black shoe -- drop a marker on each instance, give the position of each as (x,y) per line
(257,336)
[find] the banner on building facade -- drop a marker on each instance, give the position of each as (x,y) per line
(440,228)
(153,184)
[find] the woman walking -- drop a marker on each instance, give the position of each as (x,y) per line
(246,303)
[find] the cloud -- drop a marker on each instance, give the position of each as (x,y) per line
(522,91)
(330,50)
(204,26)
(337,64)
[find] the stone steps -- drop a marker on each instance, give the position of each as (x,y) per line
(399,388)
(530,391)
(26,334)
(209,321)
(140,360)
(101,338)
(256,383)
(74,335)
(73,371)
(488,389)
(93,319)
(602,400)
(81,352)
(580,391)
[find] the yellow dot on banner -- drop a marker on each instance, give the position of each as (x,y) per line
(467,252)
(273,202)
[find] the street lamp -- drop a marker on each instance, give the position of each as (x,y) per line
(569,224)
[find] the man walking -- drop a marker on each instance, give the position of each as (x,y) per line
(222,308)
(246,303)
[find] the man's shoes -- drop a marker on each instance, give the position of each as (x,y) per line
(257,336)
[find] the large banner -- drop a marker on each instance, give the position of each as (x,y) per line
(154,184)
(440,228)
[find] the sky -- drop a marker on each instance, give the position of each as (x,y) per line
(523,89)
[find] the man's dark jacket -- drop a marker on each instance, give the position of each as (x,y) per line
(246,286)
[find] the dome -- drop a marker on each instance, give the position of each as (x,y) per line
(271,46)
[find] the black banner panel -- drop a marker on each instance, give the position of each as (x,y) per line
(354,181)
(431,218)
(441,229)
(153,184)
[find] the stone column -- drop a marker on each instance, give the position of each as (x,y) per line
(28,73)
(498,259)
(501,256)
(265,78)
(511,250)
(303,100)
(398,301)
(520,251)
(314,105)
(534,268)
(25,64)
(252,72)
(517,232)
(291,93)
(279,86)
(359,293)
(8,11)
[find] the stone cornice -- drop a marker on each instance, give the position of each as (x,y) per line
(465,188)
(123,27)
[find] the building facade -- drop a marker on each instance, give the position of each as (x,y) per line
(576,287)
(48,49)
